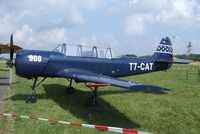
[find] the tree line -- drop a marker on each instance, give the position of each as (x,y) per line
(194,57)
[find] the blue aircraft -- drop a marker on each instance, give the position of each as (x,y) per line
(93,71)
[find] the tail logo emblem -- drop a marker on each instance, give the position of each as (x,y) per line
(165,49)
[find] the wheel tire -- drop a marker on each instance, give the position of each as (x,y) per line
(70,90)
(31,99)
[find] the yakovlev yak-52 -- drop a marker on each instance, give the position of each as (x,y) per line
(93,71)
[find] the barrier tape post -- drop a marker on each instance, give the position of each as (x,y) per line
(99,127)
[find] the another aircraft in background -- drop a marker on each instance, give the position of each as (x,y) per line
(5,48)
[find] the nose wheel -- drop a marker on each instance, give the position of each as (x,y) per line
(31,98)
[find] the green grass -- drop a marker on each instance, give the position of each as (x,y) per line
(176,110)
(6,124)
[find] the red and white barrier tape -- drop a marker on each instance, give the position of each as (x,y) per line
(99,127)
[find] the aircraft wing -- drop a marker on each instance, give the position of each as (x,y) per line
(96,78)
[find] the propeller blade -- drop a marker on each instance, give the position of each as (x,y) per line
(11,47)
(10,61)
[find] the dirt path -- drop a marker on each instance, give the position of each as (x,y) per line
(196,63)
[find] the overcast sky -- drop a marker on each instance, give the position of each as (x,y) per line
(129,26)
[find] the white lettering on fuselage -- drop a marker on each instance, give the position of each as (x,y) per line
(34,58)
(141,66)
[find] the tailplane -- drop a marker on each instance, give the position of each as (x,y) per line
(164,53)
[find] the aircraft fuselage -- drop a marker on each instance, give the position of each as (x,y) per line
(32,63)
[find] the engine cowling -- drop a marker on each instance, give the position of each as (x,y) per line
(31,63)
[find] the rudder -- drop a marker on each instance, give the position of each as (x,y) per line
(164,52)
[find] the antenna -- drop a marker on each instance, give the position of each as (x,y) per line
(189,49)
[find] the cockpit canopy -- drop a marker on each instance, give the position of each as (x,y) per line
(84,51)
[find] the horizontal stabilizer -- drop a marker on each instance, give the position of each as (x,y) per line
(182,61)
(177,61)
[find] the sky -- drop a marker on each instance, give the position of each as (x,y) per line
(127,26)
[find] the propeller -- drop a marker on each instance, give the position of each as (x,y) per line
(10,61)
(11,48)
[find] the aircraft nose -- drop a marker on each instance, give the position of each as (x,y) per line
(20,52)
(20,62)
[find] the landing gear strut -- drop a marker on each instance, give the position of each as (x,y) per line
(70,89)
(92,101)
(31,98)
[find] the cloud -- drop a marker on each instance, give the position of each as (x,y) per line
(127,7)
(41,24)
(32,39)
(5,25)
(184,13)
(142,16)
(43,14)
(136,24)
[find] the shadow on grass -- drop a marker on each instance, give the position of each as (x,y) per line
(105,114)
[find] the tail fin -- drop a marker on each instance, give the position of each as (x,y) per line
(164,55)
(164,52)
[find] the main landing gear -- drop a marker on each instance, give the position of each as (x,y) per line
(92,101)
(70,89)
(31,98)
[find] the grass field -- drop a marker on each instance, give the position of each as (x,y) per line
(176,110)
